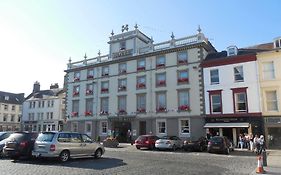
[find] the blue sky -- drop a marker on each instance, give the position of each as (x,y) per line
(37,37)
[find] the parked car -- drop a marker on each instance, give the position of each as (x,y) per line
(146,141)
(220,144)
(19,144)
(5,134)
(198,145)
(66,145)
(169,142)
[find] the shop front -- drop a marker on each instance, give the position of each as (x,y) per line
(272,125)
(232,127)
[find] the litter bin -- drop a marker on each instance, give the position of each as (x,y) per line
(264,158)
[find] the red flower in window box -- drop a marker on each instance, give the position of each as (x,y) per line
(74,114)
(90,76)
(75,93)
(76,79)
(122,111)
(161,109)
(181,80)
(88,113)
(141,110)
(88,92)
(160,65)
(184,108)
(161,83)
(141,68)
(103,90)
(182,61)
(103,112)
(140,85)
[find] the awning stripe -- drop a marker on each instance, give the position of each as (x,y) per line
(226,125)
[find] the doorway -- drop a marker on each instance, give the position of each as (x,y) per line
(122,131)
(227,132)
(142,127)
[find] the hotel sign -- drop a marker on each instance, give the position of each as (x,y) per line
(122,53)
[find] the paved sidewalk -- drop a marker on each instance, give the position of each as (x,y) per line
(273,163)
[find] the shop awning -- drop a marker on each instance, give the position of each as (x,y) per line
(226,125)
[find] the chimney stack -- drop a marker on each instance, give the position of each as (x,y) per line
(54,86)
(36,87)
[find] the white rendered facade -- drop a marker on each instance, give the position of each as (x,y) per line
(139,90)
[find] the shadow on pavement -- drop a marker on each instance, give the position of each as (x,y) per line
(85,163)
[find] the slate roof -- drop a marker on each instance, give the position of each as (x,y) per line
(40,94)
(12,98)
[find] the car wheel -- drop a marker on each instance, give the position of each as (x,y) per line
(137,147)
(201,149)
(174,148)
(227,151)
(151,147)
(15,157)
(98,153)
(64,156)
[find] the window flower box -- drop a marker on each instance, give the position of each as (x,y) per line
(74,114)
(160,65)
(141,110)
(75,93)
(104,90)
(88,113)
(122,112)
(182,61)
(161,83)
(90,76)
(122,88)
(161,109)
(103,112)
(140,85)
(182,80)
(184,108)
(142,68)
(89,92)
(76,79)
(123,71)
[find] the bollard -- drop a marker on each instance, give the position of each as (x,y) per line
(264,158)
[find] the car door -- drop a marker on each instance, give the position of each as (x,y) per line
(89,146)
(76,144)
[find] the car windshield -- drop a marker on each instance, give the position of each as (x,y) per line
(16,136)
(166,137)
(46,137)
(216,139)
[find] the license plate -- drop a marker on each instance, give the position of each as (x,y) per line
(216,147)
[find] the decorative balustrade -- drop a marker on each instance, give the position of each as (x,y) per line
(149,48)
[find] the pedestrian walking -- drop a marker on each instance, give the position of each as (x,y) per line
(251,142)
(256,138)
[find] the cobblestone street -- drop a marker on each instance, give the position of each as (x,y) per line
(128,160)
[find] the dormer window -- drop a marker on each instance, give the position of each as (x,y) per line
(277,43)
(123,45)
(232,50)
(6,98)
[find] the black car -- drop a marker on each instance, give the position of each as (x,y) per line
(20,144)
(198,145)
(220,144)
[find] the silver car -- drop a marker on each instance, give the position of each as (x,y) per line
(169,142)
(65,145)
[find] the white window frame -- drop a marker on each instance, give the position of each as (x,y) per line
(270,72)
(266,101)
(216,76)
(72,126)
(239,73)
(101,128)
(91,128)
(180,127)
(157,127)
